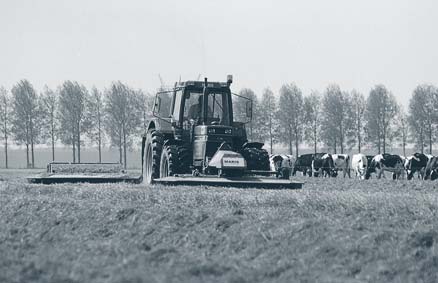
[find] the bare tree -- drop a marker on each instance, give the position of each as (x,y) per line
(290,116)
(5,113)
(380,113)
(71,113)
(422,115)
(25,123)
(49,104)
(312,118)
(94,119)
(337,122)
(403,128)
(267,122)
(359,105)
(123,110)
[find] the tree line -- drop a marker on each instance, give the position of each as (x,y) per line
(342,120)
(72,115)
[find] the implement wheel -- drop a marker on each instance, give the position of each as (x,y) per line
(152,153)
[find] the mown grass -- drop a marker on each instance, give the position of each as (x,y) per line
(333,230)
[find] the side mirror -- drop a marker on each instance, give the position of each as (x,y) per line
(249,109)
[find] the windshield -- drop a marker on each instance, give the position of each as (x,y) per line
(217,112)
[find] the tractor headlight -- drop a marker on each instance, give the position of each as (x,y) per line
(228,131)
(212,131)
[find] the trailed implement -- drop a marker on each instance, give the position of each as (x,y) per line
(65,172)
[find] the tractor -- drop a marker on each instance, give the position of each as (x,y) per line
(195,131)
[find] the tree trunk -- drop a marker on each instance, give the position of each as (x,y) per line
(270,132)
(6,144)
(99,141)
(290,142)
(6,152)
(358,131)
(335,146)
(296,146)
(430,138)
(120,151)
(79,143)
(378,143)
(124,147)
(27,155)
(53,139)
(404,147)
(32,151)
(27,146)
(74,148)
(341,139)
(315,138)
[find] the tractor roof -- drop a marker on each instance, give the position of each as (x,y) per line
(200,84)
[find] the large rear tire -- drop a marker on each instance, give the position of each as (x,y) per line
(256,158)
(175,159)
(152,155)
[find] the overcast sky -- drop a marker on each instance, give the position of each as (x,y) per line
(356,44)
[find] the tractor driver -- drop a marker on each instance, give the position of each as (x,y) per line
(195,111)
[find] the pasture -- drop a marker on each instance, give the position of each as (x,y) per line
(333,230)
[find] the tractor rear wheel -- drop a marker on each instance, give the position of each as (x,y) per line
(256,158)
(151,156)
(175,159)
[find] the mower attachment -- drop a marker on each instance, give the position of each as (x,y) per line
(242,182)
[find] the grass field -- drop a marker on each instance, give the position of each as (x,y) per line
(333,230)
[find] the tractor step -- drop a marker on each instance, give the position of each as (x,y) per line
(242,182)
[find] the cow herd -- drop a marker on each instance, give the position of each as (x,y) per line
(363,166)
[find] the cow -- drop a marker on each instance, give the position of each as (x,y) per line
(303,164)
(416,163)
(359,163)
(341,162)
(281,164)
(322,165)
(431,171)
(369,158)
(385,162)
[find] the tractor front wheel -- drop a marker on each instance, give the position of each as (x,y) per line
(151,156)
(175,159)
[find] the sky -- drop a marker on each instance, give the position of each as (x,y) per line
(356,44)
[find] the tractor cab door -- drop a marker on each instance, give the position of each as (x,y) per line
(242,109)
(163,105)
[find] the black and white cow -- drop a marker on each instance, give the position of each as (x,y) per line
(359,164)
(303,164)
(281,164)
(341,162)
(385,162)
(431,171)
(369,158)
(416,163)
(322,165)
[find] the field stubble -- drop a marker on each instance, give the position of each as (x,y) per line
(330,231)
